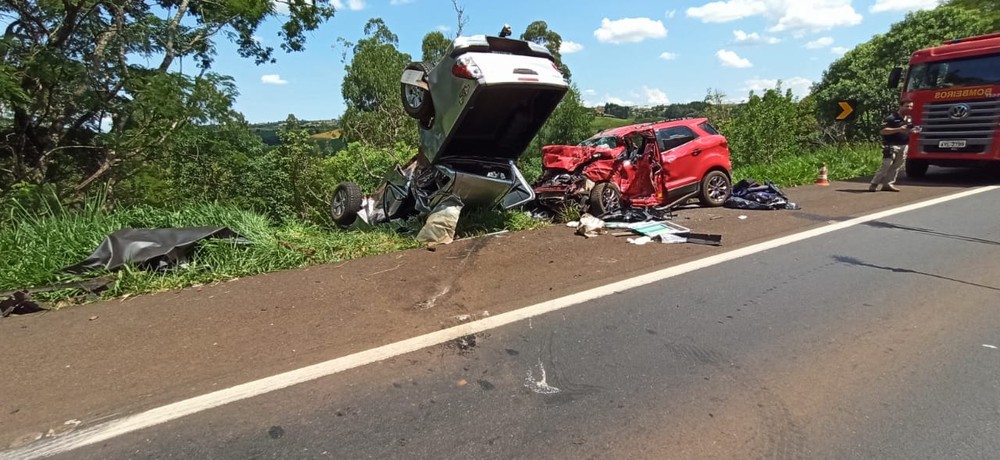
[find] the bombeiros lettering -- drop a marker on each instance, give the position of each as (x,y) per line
(966,92)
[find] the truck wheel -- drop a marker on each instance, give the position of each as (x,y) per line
(346,203)
(715,189)
(605,198)
(916,168)
(416,100)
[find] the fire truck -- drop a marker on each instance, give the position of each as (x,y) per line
(955,89)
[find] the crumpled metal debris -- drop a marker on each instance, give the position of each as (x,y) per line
(18,303)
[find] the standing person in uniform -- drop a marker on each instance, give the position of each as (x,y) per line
(896,129)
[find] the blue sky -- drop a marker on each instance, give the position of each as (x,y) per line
(637,52)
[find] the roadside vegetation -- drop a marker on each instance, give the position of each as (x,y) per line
(138,145)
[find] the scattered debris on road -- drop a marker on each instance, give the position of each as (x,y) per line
(663,231)
(748,194)
(18,303)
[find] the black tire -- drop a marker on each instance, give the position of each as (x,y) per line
(715,189)
(345,203)
(604,198)
(916,168)
(416,100)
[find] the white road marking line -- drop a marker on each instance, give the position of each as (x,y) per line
(152,417)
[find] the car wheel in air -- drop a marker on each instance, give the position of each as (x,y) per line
(416,100)
(916,168)
(605,198)
(715,189)
(346,203)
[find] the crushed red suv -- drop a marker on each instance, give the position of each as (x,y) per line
(660,165)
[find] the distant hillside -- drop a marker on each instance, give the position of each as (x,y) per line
(319,129)
(602,123)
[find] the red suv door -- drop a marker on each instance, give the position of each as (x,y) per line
(679,156)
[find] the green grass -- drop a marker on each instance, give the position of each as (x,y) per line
(842,163)
(602,123)
(39,245)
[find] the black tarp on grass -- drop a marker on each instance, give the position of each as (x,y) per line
(150,248)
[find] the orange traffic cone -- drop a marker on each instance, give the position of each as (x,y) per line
(821,180)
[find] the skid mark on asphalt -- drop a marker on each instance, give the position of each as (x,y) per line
(446,289)
(755,419)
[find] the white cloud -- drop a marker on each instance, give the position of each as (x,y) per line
(816,15)
(655,96)
(821,42)
(882,6)
(754,38)
(668,56)
(799,86)
(589,92)
(272,79)
(670,14)
(618,101)
(443,29)
(731,59)
(400,2)
(838,50)
(629,30)
(280,7)
(785,15)
(591,101)
(570,47)
(353,5)
(727,11)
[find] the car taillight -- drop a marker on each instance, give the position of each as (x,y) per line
(465,67)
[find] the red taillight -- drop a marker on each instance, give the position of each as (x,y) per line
(465,67)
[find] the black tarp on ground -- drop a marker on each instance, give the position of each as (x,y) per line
(150,248)
(748,194)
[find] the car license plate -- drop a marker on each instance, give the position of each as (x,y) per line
(951,144)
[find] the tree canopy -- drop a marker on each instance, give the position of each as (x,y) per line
(374,112)
(538,32)
(862,73)
(90,85)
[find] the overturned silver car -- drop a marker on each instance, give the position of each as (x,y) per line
(477,111)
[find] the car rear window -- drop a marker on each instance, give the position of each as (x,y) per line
(708,128)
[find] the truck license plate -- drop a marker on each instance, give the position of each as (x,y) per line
(951,144)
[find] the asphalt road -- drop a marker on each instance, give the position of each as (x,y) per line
(875,341)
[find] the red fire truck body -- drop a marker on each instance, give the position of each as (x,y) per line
(955,89)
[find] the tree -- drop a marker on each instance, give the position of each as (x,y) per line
(764,129)
(617,111)
(989,9)
(374,112)
(570,123)
(434,46)
(538,32)
(861,74)
(90,86)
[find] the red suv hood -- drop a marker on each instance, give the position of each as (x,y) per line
(569,157)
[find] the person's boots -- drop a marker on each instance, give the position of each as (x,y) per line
(890,188)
